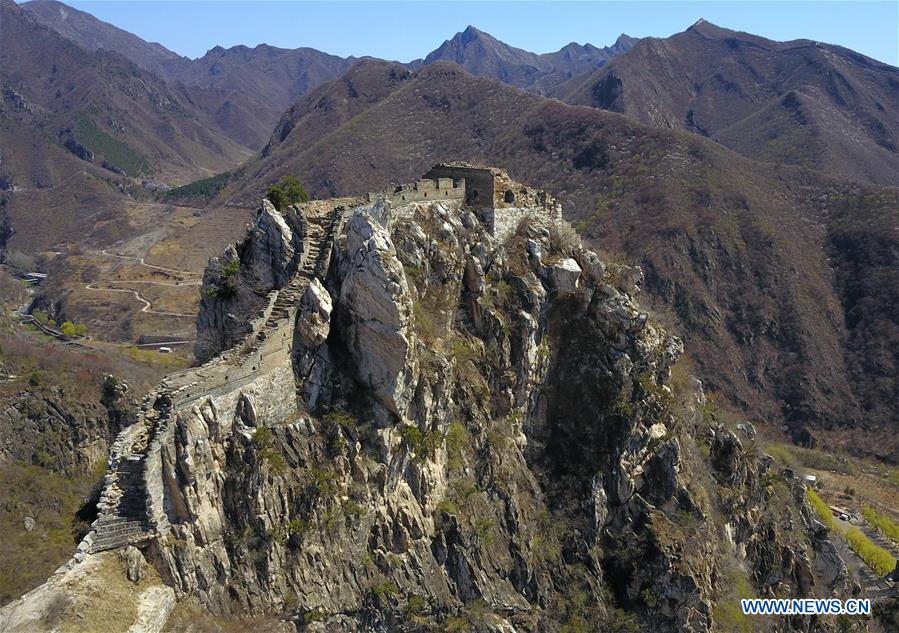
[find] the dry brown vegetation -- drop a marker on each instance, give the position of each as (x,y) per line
(737,254)
(52,500)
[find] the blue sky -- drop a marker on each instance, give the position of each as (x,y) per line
(407,30)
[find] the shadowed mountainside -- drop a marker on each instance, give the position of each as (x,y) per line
(800,102)
(759,267)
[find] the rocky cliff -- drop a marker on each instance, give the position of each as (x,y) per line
(236,284)
(425,428)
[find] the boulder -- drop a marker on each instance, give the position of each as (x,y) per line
(375,302)
(135,563)
(726,455)
(473,275)
(314,315)
(593,267)
(564,277)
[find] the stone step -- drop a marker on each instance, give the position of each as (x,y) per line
(114,523)
(121,529)
(104,543)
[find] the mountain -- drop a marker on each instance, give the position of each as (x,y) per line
(244,90)
(483,55)
(799,102)
(427,427)
(777,277)
(92,34)
(81,128)
(253,86)
(241,90)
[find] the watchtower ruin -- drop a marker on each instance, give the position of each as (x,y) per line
(498,201)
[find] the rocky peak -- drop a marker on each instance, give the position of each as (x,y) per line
(432,424)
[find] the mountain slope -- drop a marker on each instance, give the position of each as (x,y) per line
(799,102)
(252,87)
(743,258)
(92,34)
(81,128)
(240,90)
(483,55)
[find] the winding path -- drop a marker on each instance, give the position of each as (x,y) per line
(141,261)
(147,305)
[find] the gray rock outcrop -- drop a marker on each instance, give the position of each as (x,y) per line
(437,429)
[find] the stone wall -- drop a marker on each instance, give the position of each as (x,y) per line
(479,187)
(424,189)
(505,221)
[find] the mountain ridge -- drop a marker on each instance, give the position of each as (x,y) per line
(712,230)
(484,55)
(244,89)
(799,102)
(92,34)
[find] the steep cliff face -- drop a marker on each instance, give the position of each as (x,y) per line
(48,427)
(486,436)
(236,284)
(424,427)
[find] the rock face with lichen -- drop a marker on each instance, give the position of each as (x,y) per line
(487,435)
(235,285)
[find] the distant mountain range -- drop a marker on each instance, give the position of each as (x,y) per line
(799,102)
(247,89)
(483,55)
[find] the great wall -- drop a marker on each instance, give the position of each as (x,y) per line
(194,491)
(137,500)
(132,507)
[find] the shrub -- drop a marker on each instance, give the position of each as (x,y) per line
(264,441)
(563,239)
(228,280)
(324,481)
(72,330)
(384,591)
(286,192)
(415,605)
(878,559)
(883,523)
(456,439)
(421,444)
(482,528)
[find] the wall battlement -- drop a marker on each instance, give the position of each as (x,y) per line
(499,202)
(424,189)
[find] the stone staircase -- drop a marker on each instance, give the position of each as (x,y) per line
(124,513)
(321,240)
(123,503)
